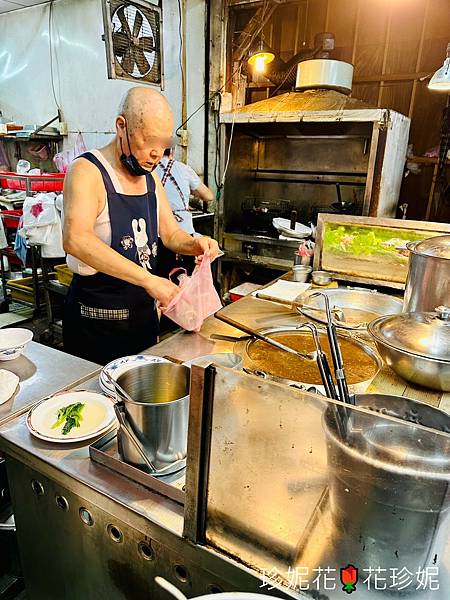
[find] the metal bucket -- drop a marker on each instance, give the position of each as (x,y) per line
(158,414)
(389,484)
(428,282)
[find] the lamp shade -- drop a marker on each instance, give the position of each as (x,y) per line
(440,82)
(260,55)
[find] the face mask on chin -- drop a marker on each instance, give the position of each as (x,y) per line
(130,162)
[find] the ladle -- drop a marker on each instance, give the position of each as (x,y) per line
(264,338)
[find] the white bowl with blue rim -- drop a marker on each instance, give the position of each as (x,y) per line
(13,342)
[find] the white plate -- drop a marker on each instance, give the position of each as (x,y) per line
(98,416)
(284,227)
(120,365)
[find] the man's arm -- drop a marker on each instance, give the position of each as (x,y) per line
(84,194)
(202,192)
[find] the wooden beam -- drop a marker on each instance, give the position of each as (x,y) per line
(419,58)
(390,77)
(366,79)
(253,29)
(356,31)
(430,204)
(385,54)
(252,3)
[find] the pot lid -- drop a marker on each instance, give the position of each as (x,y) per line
(424,334)
(438,247)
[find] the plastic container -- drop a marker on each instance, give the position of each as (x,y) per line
(244,289)
(64,274)
(22,289)
(39,183)
(11,223)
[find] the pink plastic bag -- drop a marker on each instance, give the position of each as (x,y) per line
(63,159)
(196,300)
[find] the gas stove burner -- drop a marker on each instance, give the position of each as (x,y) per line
(258,215)
(263,231)
(344,208)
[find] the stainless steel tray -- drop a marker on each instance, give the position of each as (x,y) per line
(104,452)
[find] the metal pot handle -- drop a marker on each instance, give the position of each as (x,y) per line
(133,438)
(411,246)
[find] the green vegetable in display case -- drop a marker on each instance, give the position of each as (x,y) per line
(370,241)
(369,250)
(69,415)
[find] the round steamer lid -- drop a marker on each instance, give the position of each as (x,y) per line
(424,334)
(438,246)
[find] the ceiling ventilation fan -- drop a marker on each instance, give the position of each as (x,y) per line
(133,41)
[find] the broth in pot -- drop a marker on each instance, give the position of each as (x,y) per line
(360,364)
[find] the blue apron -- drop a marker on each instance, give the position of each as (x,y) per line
(106,317)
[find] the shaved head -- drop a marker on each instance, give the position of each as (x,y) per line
(146,110)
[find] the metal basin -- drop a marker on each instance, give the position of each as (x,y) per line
(244,348)
(415,345)
(356,307)
(427,372)
(158,414)
(389,483)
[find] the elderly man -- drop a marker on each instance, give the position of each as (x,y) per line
(115,208)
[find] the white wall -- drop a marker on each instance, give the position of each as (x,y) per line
(88,98)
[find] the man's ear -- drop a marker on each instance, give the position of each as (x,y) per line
(120,124)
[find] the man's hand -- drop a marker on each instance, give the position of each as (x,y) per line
(161,289)
(206,245)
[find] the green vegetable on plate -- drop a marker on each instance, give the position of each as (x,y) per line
(69,415)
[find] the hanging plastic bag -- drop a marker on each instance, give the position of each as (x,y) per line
(63,159)
(196,300)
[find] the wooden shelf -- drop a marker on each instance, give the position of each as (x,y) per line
(426,160)
(32,138)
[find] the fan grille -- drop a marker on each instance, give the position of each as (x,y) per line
(134,41)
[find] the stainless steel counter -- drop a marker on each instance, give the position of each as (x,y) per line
(42,371)
(68,471)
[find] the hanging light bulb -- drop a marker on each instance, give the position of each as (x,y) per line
(260,63)
(440,82)
(260,56)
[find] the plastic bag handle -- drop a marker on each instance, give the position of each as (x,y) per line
(175,270)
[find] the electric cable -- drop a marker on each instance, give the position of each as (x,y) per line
(208,100)
(180,54)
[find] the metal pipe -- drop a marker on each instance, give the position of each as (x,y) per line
(264,338)
(336,354)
